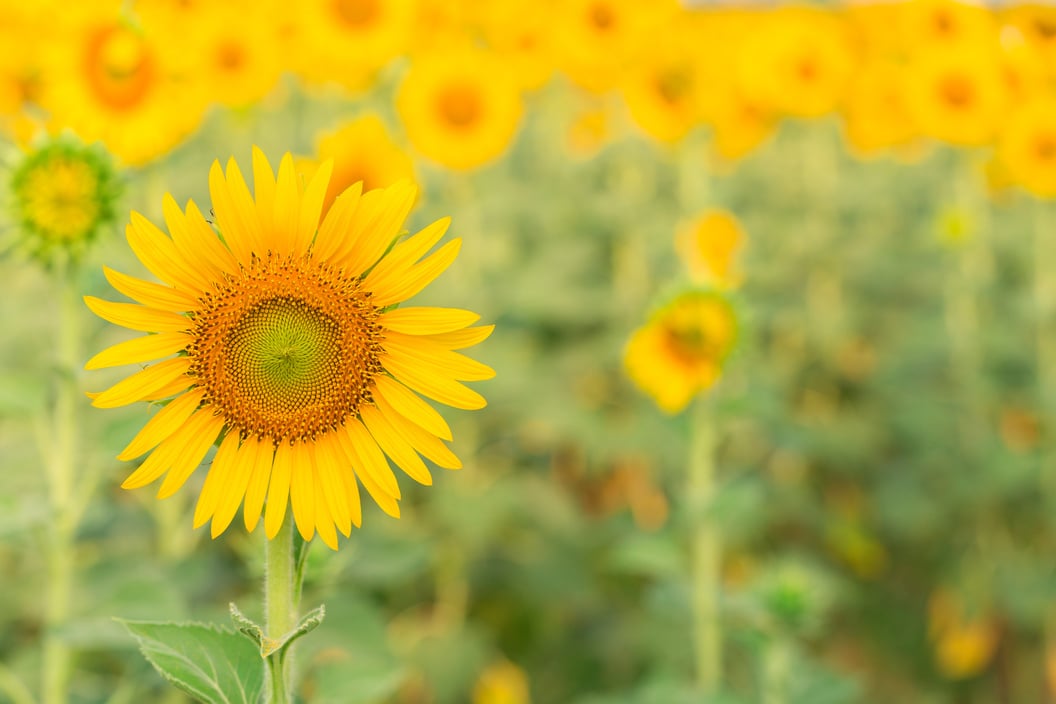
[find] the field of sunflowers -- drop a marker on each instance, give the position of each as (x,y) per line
(738,324)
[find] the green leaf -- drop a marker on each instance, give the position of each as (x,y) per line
(245,626)
(214,665)
(267,644)
(309,623)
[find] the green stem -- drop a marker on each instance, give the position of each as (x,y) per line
(705,552)
(60,471)
(1045,336)
(279,590)
(777,662)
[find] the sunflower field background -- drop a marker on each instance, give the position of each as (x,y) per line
(774,290)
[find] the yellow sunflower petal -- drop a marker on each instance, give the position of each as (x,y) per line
(193,452)
(169,452)
(257,490)
(376,224)
(324,522)
(188,243)
(233,224)
(461,339)
(429,355)
(223,462)
(141,384)
(136,317)
(348,481)
(403,256)
(278,489)
(287,208)
(428,445)
(334,232)
(264,192)
(445,390)
(371,461)
(302,492)
(158,253)
(419,276)
(177,386)
(150,294)
(386,502)
(163,424)
(235,484)
(330,463)
(412,407)
(140,349)
(312,206)
(427,320)
(395,446)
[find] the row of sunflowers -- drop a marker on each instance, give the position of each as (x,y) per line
(141,77)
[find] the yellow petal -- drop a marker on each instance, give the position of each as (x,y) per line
(461,339)
(330,463)
(302,491)
(150,294)
(169,452)
(136,317)
(234,225)
(428,445)
(442,389)
(178,385)
(189,244)
(193,451)
(158,253)
(235,483)
(387,503)
(258,485)
(287,208)
(141,384)
(140,349)
(348,480)
(163,424)
(404,255)
(413,280)
(324,522)
(312,206)
(278,489)
(337,225)
(264,192)
(432,357)
(394,446)
(371,460)
(223,464)
(426,320)
(376,224)
(411,407)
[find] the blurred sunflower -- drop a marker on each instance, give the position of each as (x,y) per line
(1022,67)
(501,682)
(596,40)
(956,95)
(63,194)
(460,108)
(1027,146)
(290,350)
(665,90)
(680,351)
(934,23)
(104,80)
(519,31)
(1036,23)
(875,113)
(229,48)
(797,62)
(349,40)
(709,246)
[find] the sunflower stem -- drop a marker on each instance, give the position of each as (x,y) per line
(705,551)
(60,472)
(280,607)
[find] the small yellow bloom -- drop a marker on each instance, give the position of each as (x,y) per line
(709,247)
(501,682)
(362,150)
(964,643)
(281,339)
(1027,146)
(680,351)
(461,108)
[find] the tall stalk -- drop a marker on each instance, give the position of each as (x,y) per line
(705,551)
(281,594)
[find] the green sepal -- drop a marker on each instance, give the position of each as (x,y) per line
(268,645)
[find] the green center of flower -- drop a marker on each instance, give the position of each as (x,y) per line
(285,353)
(60,199)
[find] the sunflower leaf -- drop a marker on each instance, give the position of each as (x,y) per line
(309,623)
(245,626)
(212,664)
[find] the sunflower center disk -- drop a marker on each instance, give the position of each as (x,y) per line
(288,350)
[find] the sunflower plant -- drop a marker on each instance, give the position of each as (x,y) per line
(276,334)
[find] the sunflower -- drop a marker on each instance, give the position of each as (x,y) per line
(283,343)
(361,150)
(1036,23)
(63,194)
(680,351)
(945,22)
(520,33)
(798,62)
(501,682)
(106,81)
(1027,147)
(665,92)
(957,95)
(875,114)
(460,108)
(709,246)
